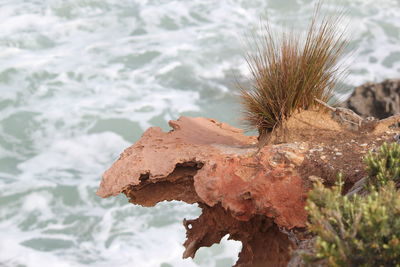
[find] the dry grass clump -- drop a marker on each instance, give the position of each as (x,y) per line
(289,71)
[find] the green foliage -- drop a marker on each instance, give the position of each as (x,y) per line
(384,166)
(289,71)
(355,231)
(359,230)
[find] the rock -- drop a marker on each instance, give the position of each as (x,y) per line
(263,243)
(256,198)
(379,100)
(204,161)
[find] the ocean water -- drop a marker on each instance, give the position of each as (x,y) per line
(81,80)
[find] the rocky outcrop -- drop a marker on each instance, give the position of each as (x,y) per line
(262,241)
(256,198)
(209,162)
(379,100)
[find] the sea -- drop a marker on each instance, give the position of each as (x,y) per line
(80,80)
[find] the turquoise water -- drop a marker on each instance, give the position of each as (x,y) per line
(81,80)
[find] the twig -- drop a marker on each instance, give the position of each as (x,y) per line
(345,114)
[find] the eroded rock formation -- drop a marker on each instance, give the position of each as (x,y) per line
(256,198)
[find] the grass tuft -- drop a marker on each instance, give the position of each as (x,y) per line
(289,70)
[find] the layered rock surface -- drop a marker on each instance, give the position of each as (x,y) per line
(256,198)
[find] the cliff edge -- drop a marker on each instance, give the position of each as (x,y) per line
(256,198)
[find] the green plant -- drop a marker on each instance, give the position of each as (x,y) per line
(355,231)
(289,71)
(383,166)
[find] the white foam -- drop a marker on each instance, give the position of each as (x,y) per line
(12,253)
(85,154)
(36,201)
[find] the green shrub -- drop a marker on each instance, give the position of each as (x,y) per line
(355,231)
(359,230)
(384,166)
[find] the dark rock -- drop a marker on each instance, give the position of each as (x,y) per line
(379,100)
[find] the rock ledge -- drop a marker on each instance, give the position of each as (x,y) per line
(255,198)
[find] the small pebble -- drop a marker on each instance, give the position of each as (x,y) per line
(363,144)
(317,149)
(338,154)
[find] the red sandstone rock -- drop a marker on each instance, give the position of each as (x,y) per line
(218,159)
(212,163)
(249,196)
(263,243)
